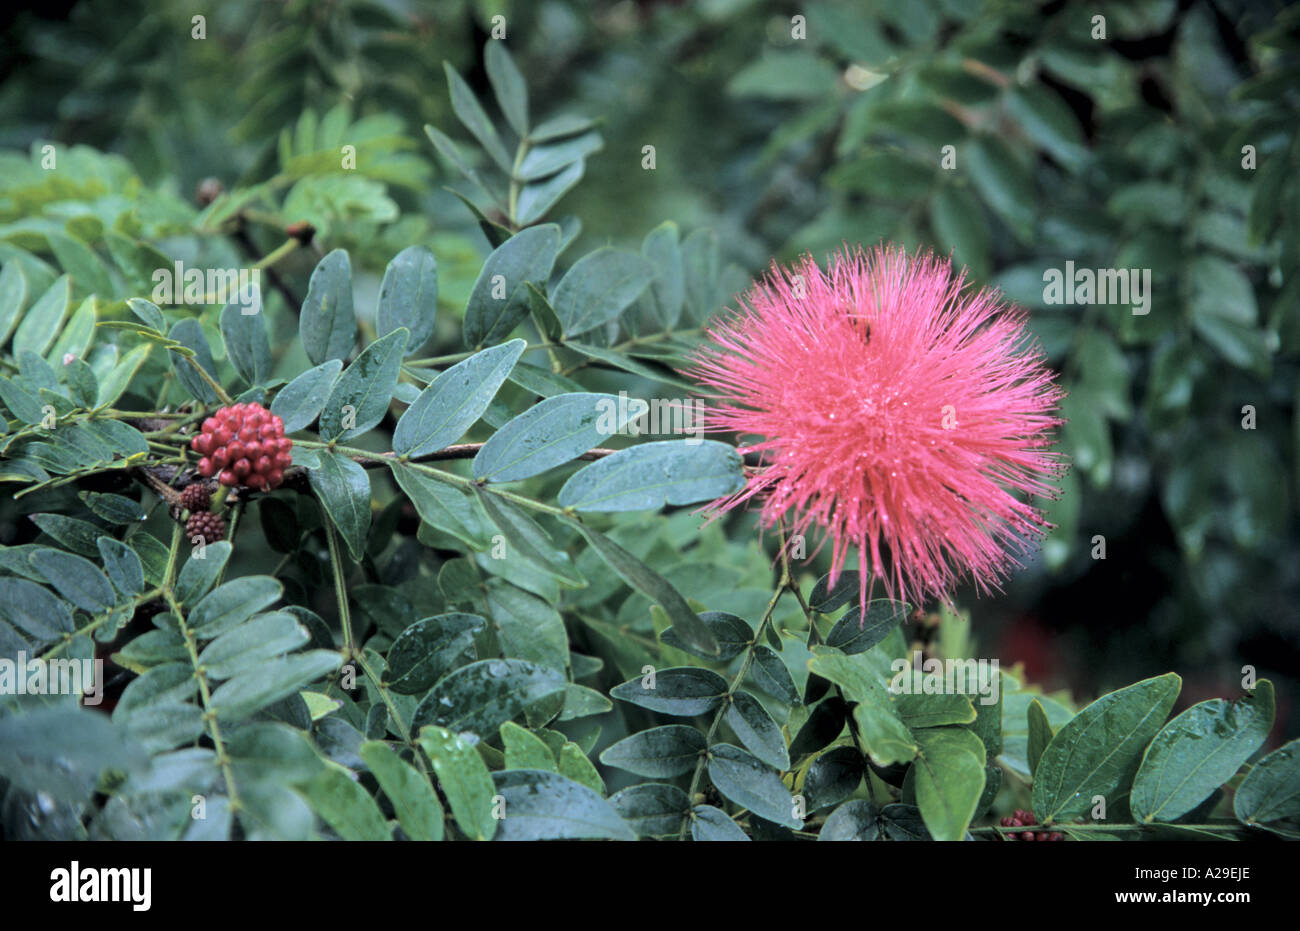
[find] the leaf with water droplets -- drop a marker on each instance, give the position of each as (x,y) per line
(62,751)
(854,820)
(464,779)
(541,805)
(855,634)
(652,809)
(684,690)
(658,753)
(1099,750)
(650,475)
(1198,751)
(482,696)
(1269,796)
(712,824)
(749,782)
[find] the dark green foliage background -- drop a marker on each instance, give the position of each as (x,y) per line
(1124,153)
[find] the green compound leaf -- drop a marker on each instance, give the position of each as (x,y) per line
(713,824)
(269,682)
(43,320)
(857,820)
(343,489)
(508,85)
(61,751)
(482,696)
(249,645)
(454,400)
(949,771)
(683,690)
(198,575)
(1040,734)
(442,506)
(346,806)
(34,609)
(744,779)
(833,777)
(881,730)
(688,625)
(75,578)
(470,112)
(1269,796)
(551,433)
(244,330)
(360,396)
(1099,750)
(527,538)
(1198,751)
(653,809)
(189,334)
(855,634)
(525,750)
(657,753)
(327,323)
(499,299)
(527,627)
(299,402)
(415,803)
(464,780)
(540,196)
(123,566)
(731,633)
(648,476)
(543,161)
(541,805)
(598,288)
(429,649)
(757,731)
(408,296)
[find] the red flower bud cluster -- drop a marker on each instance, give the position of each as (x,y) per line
(206,526)
(1024,818)
(245,445)
(195,498)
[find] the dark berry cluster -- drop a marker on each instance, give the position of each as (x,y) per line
(245,445)
(208,526)
(195,498)
(1023,818)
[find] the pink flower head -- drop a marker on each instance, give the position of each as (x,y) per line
(897,414)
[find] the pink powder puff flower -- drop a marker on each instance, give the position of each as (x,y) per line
(891,410)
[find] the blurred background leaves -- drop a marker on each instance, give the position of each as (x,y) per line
(1167,144)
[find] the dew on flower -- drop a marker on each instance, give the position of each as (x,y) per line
(960,509)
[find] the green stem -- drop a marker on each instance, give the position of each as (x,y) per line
(350,651)
(173,556)
(183,421)
(747,659)
(466,484)
(631,344)
(619,633)
(286,248)
(402,730)
(191,647)
(284,561)
(205,695)
(212,382)
(144,415)
(515,187)
(97,622)
(235,513)
(462,356)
